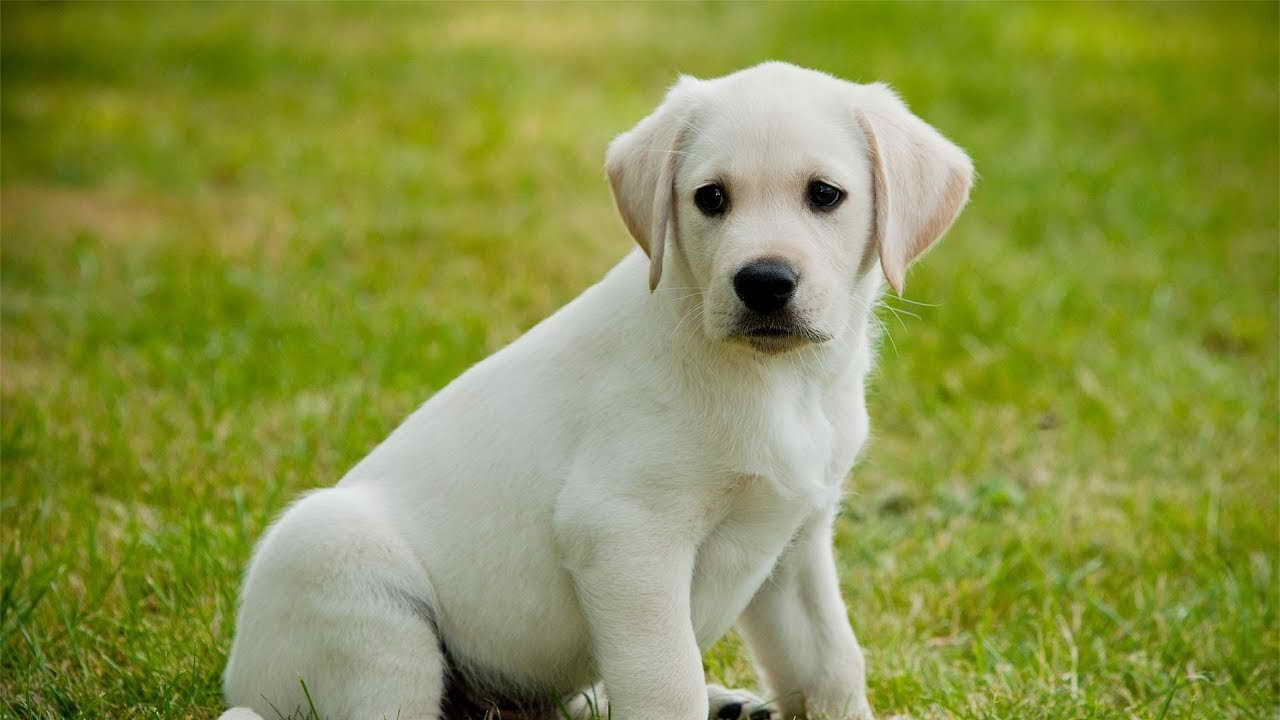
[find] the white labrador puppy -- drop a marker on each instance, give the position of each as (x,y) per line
(657,461)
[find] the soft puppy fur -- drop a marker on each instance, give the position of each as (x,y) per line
(658,461)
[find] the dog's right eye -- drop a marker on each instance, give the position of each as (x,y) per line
(711,199)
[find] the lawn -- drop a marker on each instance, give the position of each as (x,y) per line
(242,242)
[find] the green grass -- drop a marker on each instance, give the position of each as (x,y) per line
(241,242)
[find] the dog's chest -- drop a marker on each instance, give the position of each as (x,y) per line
(740,552)
(792,468)
(798,442)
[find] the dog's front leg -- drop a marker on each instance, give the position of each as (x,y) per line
(633,583)
(798,630)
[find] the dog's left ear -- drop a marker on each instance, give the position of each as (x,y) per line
(920,179)
(642,166)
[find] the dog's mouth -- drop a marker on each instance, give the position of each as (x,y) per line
(769,332)
(777,337)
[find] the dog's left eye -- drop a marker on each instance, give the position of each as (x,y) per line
(711,199)
(824,196)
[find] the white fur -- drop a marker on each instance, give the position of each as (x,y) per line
(608,495)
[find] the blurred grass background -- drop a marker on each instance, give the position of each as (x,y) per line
(241,242)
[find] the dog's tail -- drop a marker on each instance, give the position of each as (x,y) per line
(240,713)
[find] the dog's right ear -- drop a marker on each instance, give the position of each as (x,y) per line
(642,166)
(920,180)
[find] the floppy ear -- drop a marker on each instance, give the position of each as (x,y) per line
(642,166)
(920,179)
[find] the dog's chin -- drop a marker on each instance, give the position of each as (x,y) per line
(777,339)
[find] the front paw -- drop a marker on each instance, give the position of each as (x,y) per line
(729,704)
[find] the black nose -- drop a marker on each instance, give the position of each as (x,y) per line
(765,285)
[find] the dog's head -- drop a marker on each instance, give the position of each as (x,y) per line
(777,189)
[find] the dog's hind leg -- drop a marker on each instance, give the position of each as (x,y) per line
(336,620)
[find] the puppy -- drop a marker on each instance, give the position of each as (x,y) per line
(659,460)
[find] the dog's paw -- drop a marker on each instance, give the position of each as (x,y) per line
(729,704)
